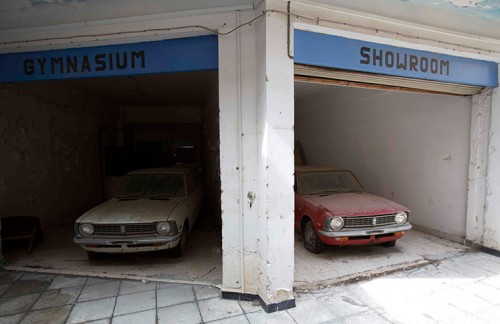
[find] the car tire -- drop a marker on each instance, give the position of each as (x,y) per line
(311,238)
(180,249)
(91,255)
(389,244)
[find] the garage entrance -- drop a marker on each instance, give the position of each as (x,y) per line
(406,139)
(68,143)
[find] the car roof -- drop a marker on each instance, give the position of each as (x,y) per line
(179,170)
(313,168)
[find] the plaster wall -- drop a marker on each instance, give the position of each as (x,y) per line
(411,148)
(491,236)
(49,151)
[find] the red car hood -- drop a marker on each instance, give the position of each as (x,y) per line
(356,204)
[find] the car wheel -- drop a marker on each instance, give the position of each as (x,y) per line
(91,255)
(389,244)
(180,248)
(311,239)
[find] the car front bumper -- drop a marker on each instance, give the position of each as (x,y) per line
(127,244)
(364,236)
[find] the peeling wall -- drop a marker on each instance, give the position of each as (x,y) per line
(411,148)
(49,151)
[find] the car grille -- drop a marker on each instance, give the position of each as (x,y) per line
(124,229)
(368,221)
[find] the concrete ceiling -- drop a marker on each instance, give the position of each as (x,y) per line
(479,17)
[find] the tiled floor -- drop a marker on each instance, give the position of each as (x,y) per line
(462,288)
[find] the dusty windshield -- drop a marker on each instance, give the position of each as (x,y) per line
(152,185)
(328,182)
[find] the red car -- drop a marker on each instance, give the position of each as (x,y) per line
(331,208)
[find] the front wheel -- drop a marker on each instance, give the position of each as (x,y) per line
(91,255)
(311,239)
(180,248)
(389,244)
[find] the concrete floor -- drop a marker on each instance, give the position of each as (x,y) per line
(459,289)
(58,254)
(203,262)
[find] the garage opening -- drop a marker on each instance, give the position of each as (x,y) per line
(409,147)
(400,120)
(67,144)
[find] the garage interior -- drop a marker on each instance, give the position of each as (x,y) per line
(410,146)
(66,144)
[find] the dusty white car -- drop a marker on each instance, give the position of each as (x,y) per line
(153,209)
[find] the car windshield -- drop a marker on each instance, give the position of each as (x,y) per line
(328,182)
(152,185)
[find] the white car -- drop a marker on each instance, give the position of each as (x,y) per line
(154,209)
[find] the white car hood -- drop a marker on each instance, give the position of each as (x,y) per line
(130,211)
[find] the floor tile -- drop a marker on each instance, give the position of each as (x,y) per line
(490,315)
(54,315)
(175,295)
(25,287)
(369,317)
(206,292)
(217,309)
(344,304)
(67,282)
(98,291)
(130,287)
(8,277)
(261,317)
(37,276)
(147,317)
(135,303)
(57,297)
(239,319)
(92,310)
(250,306)
(19,304)
(184,313)
(311,311)
(11,319)
(93,281)
(4,287)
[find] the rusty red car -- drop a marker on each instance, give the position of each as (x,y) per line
(331,208)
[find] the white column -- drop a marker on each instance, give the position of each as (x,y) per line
(491,236)
(275,111)
(478,165)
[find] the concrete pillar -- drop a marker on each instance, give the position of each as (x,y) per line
(256,152)
(478,165)
(491,236)
(275,119)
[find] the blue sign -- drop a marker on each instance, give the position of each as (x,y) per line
(350,54)
(172,55)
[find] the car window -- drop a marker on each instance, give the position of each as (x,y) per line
(328,182)
(147,185)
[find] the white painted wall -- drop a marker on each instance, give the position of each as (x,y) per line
(491,236)
(411,148)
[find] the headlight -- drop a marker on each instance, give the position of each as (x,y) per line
(401,218)
(163,228)
(336,223)
(87,229)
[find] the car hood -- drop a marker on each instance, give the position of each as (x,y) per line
(130,211)
(357,204)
